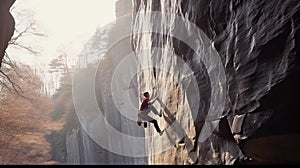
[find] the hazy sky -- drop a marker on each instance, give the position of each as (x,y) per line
(66,23)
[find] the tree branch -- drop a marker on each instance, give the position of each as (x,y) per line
(14,85)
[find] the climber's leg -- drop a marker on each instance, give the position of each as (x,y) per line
(155,125)
(143,115)
(155,111)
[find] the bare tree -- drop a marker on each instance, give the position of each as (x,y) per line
(25,28)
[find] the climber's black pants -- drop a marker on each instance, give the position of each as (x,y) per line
(155,125)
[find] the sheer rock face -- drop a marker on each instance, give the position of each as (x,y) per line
(123,8)
(83,145)
(258,44)
(255,43)
(7,25)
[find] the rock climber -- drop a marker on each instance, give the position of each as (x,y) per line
(145,108)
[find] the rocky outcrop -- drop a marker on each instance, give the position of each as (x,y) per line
(257,42)
(123,8)
(225,74)
(7,26)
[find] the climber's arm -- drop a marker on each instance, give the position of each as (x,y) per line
(138,121)
(154,98)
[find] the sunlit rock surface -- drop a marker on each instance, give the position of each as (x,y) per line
(7,25)
(258,44)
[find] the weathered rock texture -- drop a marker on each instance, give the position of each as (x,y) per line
(7,25)
(258,43)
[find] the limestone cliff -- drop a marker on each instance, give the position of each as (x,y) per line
(224,72)
(258,45)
